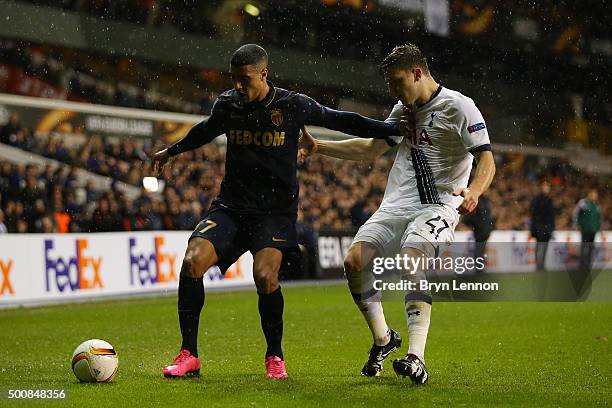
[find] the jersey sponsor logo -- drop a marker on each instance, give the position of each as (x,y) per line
(246,137)
(274,239)
(421,138)
(476,127)
(151,267)
(76,272)
(6,288)
(277,117)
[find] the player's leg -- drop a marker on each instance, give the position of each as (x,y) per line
(200,256)
(431,227)
(418,316)
(380,231)
(368,301)
(212,235)
(270,235)
(266,265)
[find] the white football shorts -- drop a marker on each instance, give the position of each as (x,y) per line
(424,228)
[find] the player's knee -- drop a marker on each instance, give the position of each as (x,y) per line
(191,267)
(194,264)
(266,265)
(266,278)
(196,261)
(352,262)
(352,271)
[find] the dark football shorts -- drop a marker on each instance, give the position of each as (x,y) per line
(233,234)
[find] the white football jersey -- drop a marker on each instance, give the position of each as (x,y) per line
(436,160)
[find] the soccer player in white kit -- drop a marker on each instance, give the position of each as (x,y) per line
(426,191)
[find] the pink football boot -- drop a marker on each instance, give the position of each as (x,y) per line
(184,365)
(275,367)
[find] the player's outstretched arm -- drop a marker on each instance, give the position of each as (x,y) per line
(354,124)
(351,149)
(200,134)
(346,122)
(485,170)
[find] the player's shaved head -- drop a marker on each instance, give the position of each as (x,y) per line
(406,56)
(250,54)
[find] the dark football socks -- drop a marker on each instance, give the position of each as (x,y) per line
(271,311)
(190,304)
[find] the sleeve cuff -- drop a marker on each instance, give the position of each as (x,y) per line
(481,148)
(390,142)
(172,150)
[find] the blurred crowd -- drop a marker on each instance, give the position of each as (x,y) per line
(334,194)
(93,80)
(489,43)
(361,27)
(518,180)
(121,81)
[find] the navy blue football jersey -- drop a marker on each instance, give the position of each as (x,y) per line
(262,142)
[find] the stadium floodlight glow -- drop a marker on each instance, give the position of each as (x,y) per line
(150,184)
(251,9)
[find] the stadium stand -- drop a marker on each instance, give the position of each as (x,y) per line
(83,181)
(334,194)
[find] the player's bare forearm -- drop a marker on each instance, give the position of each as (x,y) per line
(352,149)
(485,171)
(159,160)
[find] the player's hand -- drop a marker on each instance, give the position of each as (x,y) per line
(407,124)
(470,200)
(307,145)
(160,159)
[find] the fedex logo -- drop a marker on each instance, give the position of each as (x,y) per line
(78,272)
(234,272)
(5,287)
(156,267)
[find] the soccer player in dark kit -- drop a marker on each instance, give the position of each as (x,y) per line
(256,208)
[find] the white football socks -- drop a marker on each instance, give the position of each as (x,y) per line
(418,314)
(373,313)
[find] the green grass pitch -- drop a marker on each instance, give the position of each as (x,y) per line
(478,354)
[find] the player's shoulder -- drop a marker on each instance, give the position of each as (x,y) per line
(455,99)
(282,93)
(292,99)
(285,95)
(226,101)
(455,103)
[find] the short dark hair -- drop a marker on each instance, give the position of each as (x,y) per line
(406,56)
(249,54)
